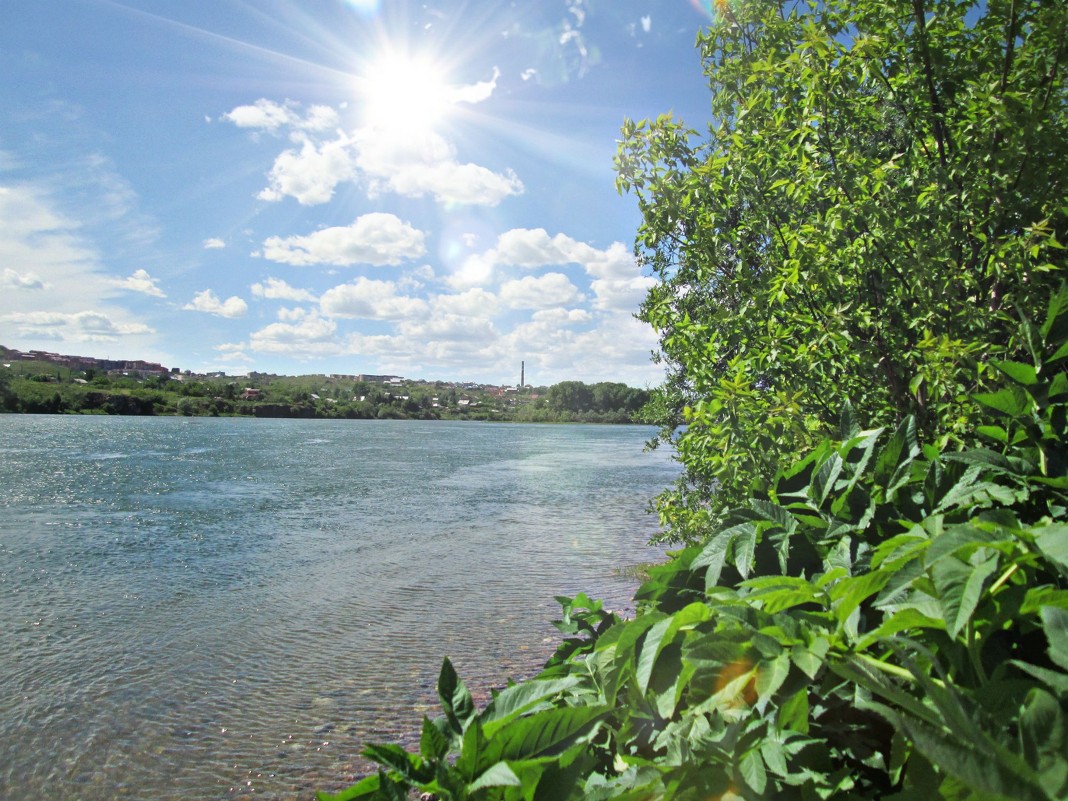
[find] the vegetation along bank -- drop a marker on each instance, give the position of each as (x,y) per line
(41,385)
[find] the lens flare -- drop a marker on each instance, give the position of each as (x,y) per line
(703,7)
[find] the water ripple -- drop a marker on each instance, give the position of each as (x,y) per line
(216,608)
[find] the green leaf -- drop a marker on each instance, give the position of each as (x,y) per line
(397,759)
(892,464)
(824,478)
(794,712)
(497,775)
(1011,401)
(661,634)
(1055,680)
(810,659)
(850,593)
(1052,540)
(960,586)
(775,513)
(902,620)
(1055,624)
(365,788)
(518,698)
(751,767)
(980,770)
(1044,740)
(433,744)
(533,735)
(1018,371)
(455,699)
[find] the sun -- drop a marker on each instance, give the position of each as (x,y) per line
(403,92)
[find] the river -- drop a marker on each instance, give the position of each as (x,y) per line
(228,608)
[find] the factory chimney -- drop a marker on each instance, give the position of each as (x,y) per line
(522,374)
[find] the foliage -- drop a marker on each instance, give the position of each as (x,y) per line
(885,620)
(883,187)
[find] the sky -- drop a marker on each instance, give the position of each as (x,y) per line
(423,189)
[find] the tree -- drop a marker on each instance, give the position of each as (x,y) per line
(570,396)
(882,190)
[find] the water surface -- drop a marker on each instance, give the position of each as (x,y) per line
(220,608)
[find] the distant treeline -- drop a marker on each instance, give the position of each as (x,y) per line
(45,388)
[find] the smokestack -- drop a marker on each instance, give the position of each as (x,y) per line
(522,374)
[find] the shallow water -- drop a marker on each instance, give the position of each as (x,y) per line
(219,608)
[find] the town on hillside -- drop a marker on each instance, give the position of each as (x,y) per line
(52,383)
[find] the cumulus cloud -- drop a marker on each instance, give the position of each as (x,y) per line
(141,282)
(214,243)
(292,315)
(621,295)
(267,115)
(474,302)
(532,248)
(310,336)
(208,301)
(16,280)
(311,174)
(433,331)
(277,289)
(560,316)
(376,239)
(551,289)
(416,165)
(368,299)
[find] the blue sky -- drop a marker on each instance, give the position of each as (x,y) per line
(343,186)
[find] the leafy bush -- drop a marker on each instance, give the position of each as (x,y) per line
(887,619)
(882,187)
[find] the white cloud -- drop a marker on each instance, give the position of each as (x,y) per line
(208,301)
(377,239)
(450,182)
(624,295)
(531,248)
(431,332)
(368,299)
(277,289)
(311,174)
(551,289)
(16,280)
(292,315)
(472,303)
(214,243)
(476,92)
(560,316)
(141,282)
(85,326)
(414,165)
(60,290)
(266,115)
(311,336)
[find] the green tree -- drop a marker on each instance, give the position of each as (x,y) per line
(883,186)
(570,396)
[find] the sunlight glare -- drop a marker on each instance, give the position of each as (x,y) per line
(405,93)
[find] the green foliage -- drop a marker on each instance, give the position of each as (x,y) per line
(883,187)
(886,619)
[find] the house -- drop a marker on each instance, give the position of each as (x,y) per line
(251,394)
